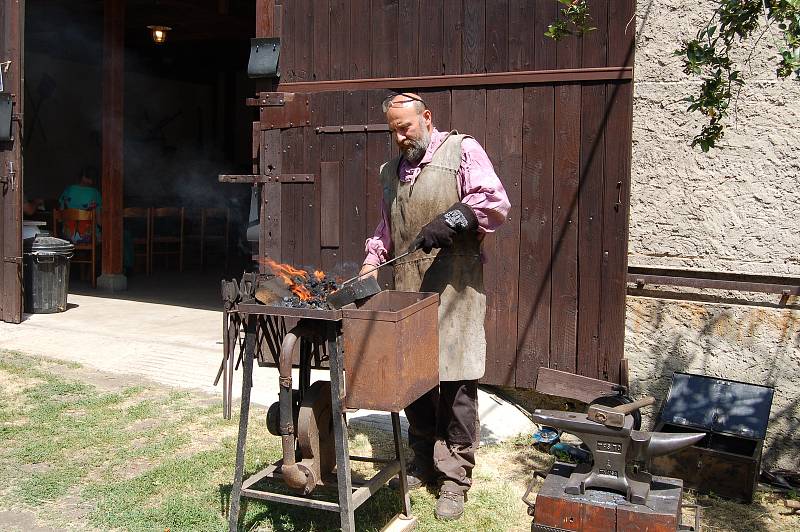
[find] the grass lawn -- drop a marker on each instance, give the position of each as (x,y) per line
(86,450)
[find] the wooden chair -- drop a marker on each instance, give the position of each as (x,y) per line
(78,215)
(139,216)
(214,229)
(164,239)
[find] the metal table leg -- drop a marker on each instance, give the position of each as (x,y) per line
(344,481)
(398,450)
(244,414)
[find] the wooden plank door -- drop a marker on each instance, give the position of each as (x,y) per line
(11,165)
(554,118)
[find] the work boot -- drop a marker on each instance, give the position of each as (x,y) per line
(450,505)
(416,478)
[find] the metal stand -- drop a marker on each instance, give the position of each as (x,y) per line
(351,494)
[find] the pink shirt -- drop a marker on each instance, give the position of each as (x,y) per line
(479,187)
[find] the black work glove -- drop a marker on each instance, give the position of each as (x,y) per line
(439,232)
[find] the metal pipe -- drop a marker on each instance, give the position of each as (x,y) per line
(292,474)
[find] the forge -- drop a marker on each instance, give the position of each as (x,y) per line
(381,353)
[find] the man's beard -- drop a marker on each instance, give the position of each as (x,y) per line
(416,151)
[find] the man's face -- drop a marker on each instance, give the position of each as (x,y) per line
(411,130)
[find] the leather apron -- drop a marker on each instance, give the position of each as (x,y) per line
(456,273)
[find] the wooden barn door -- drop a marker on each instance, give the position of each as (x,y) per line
(11,40)
(555,119)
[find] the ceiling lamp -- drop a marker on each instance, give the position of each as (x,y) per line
(159,33)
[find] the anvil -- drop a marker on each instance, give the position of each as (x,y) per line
(615,450)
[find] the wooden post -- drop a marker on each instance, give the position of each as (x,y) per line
(112,277)
(265,13)
(11,49)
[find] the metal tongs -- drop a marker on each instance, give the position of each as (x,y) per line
(411,250)
(355,288)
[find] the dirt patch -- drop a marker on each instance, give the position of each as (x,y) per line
(40,467)
(144,424)
(16,384)
(12,521)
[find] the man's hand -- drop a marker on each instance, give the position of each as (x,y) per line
(439,232)
(366,268)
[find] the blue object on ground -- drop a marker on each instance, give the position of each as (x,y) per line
(546,435)
(566,452)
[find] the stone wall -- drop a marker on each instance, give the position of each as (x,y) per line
(733,209)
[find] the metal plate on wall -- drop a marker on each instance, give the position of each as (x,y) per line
(264,56)
(6,109)
(719,405)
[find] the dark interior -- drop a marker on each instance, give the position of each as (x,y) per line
(185,119)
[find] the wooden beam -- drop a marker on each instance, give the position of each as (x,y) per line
(265,14)
(563,75)
(11,49)
(112,153)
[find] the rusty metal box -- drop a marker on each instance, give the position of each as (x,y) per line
(734,415)
(391,349)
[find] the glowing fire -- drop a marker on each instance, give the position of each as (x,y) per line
(288,273)
(319,275)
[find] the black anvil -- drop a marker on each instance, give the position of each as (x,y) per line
(616,449)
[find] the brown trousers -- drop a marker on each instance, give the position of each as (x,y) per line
(443,432)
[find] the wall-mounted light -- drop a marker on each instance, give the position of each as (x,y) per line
(159,33)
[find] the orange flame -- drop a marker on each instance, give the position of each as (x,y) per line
(288,273)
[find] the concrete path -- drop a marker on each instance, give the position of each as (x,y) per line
(182,347)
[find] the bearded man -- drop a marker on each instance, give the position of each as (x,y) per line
(440,197)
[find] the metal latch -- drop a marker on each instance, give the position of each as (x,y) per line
(9,179)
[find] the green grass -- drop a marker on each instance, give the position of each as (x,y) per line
(143,457)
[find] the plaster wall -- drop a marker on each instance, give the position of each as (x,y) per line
(732,210)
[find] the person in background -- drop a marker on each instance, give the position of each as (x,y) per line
(82,195)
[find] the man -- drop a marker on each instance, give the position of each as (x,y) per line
(440,197)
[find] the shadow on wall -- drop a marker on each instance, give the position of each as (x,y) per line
(755,345)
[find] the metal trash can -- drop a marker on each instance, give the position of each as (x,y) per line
(46,273)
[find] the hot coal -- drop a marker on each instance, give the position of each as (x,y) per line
(316,291)
(298,288)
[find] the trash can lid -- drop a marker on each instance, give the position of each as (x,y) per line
(47,244)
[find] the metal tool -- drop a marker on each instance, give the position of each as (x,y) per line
(352,292)
(615,416)
(407,253)
(355,288)
(615,449)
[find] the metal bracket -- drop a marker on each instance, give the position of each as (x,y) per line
(281,110)
(264,56)
(282,178)
(6,115)
(10,178)
(354,128)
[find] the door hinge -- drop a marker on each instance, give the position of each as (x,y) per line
(281,110)
(15,260)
